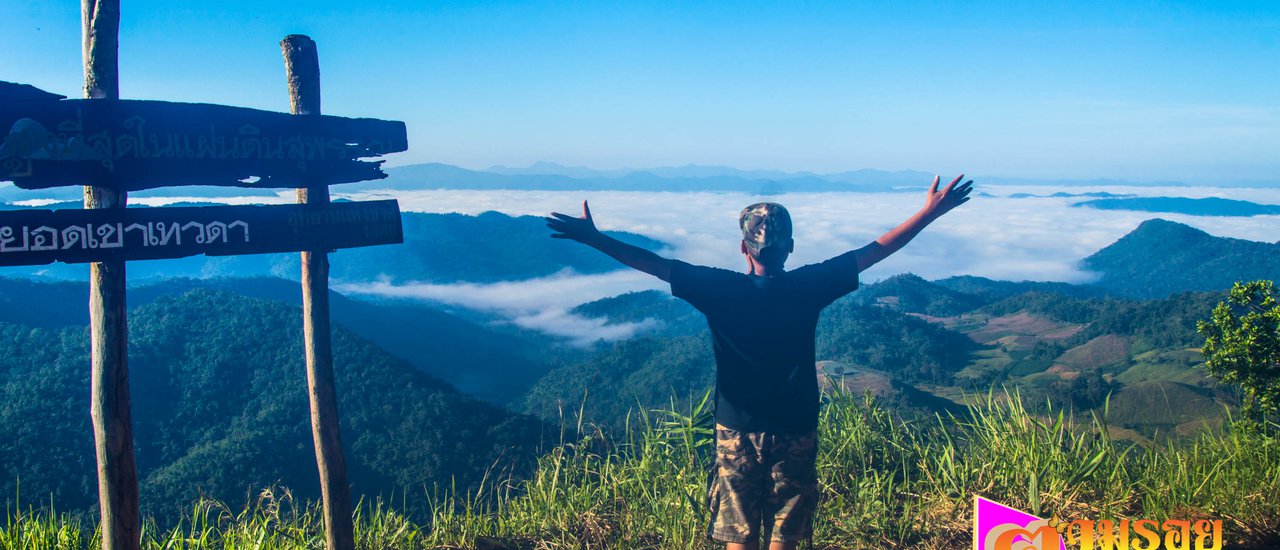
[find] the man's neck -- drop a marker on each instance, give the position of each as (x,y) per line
(761,270)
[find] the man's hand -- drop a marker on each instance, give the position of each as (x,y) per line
(581,229)
(937,204)
(584,231)
(941,202)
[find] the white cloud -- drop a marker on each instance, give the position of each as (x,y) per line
(541,304)
(999,237)
(580,331)
(282,197)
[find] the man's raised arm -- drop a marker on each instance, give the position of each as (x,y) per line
(936,204)
(584,231)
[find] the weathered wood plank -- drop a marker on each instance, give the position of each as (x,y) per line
(34,237)
(132,145)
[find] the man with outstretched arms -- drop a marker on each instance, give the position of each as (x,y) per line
(762,325)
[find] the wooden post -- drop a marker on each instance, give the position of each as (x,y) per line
(302,66)
(112,421)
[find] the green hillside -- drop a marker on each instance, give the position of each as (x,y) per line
(220,407)
(1158,258)
(1162,407)
(1161,257)
(220,410)
(497,366)
(1078,351)
(909,292)
(44,304)
(675,316)
(991,290)
(625,377)
(928,339)
(885,483)
(675,361)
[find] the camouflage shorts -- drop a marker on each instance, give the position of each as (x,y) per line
(763,485)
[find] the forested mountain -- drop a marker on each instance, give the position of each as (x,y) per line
(674,360)
(674,316)
(1074,350)
(496,366)
(912,293)
(438,248)
(46,304)
(907,347)
(220,407)
(925,341)
(1161,257)
(990,290)
(1155,260)
(218,379)
(625,377)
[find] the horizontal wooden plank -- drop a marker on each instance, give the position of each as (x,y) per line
(35,237)
(130,145)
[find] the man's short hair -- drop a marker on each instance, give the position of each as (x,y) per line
(764,224)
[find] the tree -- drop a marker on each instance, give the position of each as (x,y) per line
(1242,344)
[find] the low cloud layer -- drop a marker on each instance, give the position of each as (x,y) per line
(541,304)
(1042,238)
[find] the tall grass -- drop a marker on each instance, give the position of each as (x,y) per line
(887,482)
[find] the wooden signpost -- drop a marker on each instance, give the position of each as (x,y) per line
(33,237)
(131,145)
(112,146)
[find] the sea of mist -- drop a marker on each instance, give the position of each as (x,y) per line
(1040,238)
(995,235)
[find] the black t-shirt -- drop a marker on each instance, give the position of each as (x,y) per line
(762,330)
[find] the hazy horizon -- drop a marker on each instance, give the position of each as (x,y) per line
(761,171)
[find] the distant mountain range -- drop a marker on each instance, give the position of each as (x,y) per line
(443,176)
(1208,206)
(864,176)
(549,176)
(711,172)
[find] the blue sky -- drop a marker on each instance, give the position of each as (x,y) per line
(1137,90)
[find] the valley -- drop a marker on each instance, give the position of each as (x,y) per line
(438,393)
